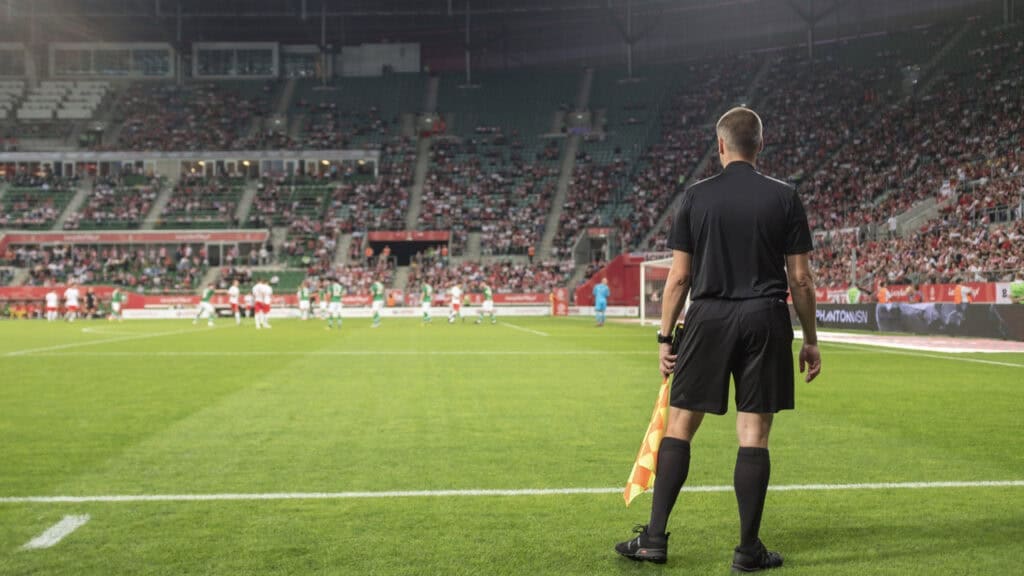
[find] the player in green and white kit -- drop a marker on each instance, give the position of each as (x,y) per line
(377,290)
(206,306)
(116,301)
(335,292)
(303,295)
(322,291)
(428,298)
(488,306)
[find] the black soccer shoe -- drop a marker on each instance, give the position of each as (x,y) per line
(759,559)
(644,547)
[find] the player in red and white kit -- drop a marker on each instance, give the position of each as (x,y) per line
(52,305)
(71,301)
(250,305)
(233,294)
(262,293)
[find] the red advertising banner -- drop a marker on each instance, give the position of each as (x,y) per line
(409,236)
(135,237)
(982,292)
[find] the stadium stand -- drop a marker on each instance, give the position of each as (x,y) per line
(199,202)
(201,116)
(116,204)
(355,112)
(506,277)
(151,270)
(34,202)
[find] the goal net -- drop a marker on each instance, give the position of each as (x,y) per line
(653,275)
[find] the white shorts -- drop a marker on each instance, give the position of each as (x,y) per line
(425,307)
(115,306)
(378,305)
(488,305)
(206,307)
(323,304)
(334,308)
(303,304)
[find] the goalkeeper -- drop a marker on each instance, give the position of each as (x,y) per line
(740,242)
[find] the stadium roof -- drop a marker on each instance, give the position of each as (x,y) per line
(570,30)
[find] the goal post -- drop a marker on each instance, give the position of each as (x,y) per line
(653,275)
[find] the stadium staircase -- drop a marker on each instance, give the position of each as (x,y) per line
(341,253)
(566,169)
(473,246)
(401,277)
(708,157)
(20,277)
(285,100)
(412,217)
(430,96)
(277,237)
(933,68)
(81,195)
(209,277)
(153,218)
(245,204)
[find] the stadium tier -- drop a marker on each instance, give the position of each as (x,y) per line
(496,154)
(33,208)
(198,202)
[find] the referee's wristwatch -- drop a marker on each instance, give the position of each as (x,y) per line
(662,339)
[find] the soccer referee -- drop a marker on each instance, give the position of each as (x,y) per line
(739,241)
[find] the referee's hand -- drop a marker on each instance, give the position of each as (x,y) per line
(666,359)
(810,359)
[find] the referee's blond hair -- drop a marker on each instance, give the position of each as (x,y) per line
(742,131)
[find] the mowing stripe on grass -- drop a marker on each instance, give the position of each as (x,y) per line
(882,350)
(57,532)
(484,492)
(523,329)
(97,342)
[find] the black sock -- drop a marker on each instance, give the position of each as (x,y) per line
(673,467)
(753,468)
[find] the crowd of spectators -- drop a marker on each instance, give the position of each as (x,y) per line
(504,277)
(200,201)
(207,116)
(152,269)
(34,200)
(492,183)
(113,203)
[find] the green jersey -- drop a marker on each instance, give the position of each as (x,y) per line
(303,294)
(117,297)
(853,295)
(488,294)
(428,293)
(207,295)
(1017,292)
(377,290)
(337,291)
(321,295)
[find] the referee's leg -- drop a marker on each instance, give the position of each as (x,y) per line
(750,481)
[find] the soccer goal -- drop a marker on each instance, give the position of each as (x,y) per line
(653,275)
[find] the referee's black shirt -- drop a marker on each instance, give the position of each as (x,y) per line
(739,226)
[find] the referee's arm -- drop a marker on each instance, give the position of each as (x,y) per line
(801,287)
(677,286)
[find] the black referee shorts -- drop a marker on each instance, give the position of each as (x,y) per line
(752,340)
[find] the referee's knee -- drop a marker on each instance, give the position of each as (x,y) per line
(752,429)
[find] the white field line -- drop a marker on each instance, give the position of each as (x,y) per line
(878,350)
(57,532)
(249,353)
(523,329)
(97,342)
(478,493)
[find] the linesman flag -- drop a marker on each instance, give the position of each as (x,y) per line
(641,479)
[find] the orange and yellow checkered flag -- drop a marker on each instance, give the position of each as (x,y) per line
(641,479)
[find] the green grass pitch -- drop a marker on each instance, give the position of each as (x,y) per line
(162,407)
